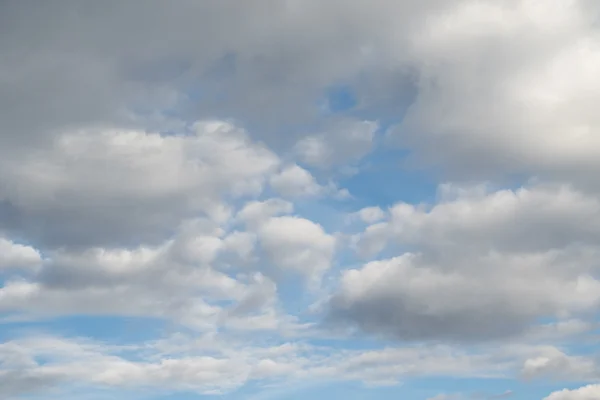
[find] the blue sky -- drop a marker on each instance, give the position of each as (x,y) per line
(281,200)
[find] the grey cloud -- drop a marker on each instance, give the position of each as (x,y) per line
(476,266)
(589,392)
(73,63)
(76,65)
(265,62)
(389,308)
(474,298)
(343,142)
(476,219)
(509,95)
(14,383)
(480,89)
(222,363)
(555,364)
(114,187)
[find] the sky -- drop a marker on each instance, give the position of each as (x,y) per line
(292,199)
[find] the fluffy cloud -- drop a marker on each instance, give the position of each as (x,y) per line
(589,392)
(256,212)
(483,265)
(512,65)
(111,187)
(137,162)
(295,181)
(507,87)
(490,297)
(552,362)
(534,218)
(180,280)
(13,255)
(289,242)
(298,244)
(367,215)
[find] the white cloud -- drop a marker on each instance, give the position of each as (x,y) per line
(463,299)
(211,363)
(14,255)
(295,181)
(589,392)
(527,219)
(256,212)
(370,215)
(504,257)
(508,88)
(555,363)
(112,187)
(114,201)
(298,244)
(179,280)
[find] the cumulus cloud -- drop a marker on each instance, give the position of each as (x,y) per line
(14,255)
(534,218)
(589,392)
(523,107)
(112,187)
(482,265)
(368,215)
(141,168)
(256,212)
(295,181)
(298,244)
(180,280)
(409,298)
(553,363)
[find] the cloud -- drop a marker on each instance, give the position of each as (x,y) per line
(13,255)
(297,244)
(481,265)
(344,142)
(504,395)
(141,168)
(460,56)
(408,298)
(589,392)
(113,187)
(508,88)
(368,215)
(255,213)
(530,218)
(558,364)
(295,181)
(180,280)
(213,363)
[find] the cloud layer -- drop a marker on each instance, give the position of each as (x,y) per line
(243,175)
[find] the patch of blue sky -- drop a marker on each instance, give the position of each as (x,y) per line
(328,390)
(83,392)
(381,177)
(340,98)
(383,181)
(113,329)
(386,175)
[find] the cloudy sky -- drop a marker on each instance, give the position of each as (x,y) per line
(291,199)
